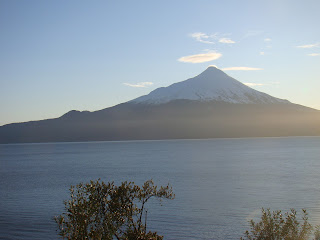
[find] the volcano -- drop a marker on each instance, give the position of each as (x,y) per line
(211,85)
(210,105)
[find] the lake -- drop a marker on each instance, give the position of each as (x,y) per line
(219,184)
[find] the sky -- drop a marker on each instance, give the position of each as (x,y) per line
(57,56)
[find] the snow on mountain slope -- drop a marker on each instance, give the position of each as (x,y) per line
(211,85)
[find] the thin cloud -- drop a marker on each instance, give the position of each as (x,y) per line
(139,85)
(202,37)
(309,45)
(212,38)
(200,58)
(314,54)
(262,53)
(226,40)
(241,69)
(254,84)
(261,84)
(267,39)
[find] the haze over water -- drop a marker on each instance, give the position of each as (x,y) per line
(219,184)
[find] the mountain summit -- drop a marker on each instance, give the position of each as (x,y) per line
(210,105)
(211,85)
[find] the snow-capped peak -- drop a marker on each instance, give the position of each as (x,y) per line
(211,85)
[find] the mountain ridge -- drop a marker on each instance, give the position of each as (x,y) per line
(179,118)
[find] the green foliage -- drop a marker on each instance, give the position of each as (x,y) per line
(317,233)
(276,226)
(98,210)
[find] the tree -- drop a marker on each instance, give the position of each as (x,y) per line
(98,210)
(276,226)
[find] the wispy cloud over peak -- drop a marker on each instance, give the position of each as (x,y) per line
(202,37)
(211,38)
(200,58)
(241,69)
(139,85)
(226,40)
(309,45)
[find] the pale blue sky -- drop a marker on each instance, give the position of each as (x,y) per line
(56,56)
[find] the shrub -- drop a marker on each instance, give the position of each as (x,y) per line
(98,210)
(276,226)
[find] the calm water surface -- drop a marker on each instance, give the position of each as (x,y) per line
(219,184)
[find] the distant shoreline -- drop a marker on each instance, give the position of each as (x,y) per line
(157,140)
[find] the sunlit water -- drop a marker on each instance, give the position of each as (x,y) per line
(219,184)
